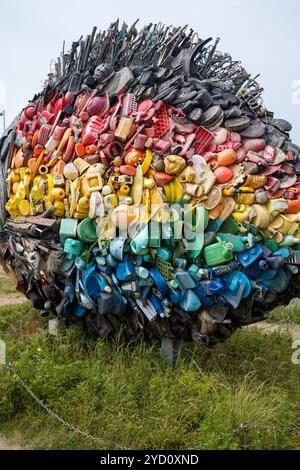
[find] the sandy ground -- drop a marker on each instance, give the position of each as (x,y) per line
(268,328)
(4,445)
(12,299)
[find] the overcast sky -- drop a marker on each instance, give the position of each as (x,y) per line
(264,34)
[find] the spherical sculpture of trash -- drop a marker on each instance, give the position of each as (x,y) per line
(148,188)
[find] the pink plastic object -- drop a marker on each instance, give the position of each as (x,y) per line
(129,105)
(29,111)
(97,106)
(269,154)
(145,106)
(273,184)
(105,139)
(45,118)
(162,124)
(84,116)
(270,171)
(229,145)
(44,134)
(92,130)
(69,98)
(140,142)
(59,106)
(234,137)
(256,158)
(203,139)
(58,133)
(160,146)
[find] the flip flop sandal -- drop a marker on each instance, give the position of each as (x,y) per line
(214,198)
(254,145)
(237,124)
(273,184)
(196,115)
(297,169)
(241,154)
(217,123)
(254,131)
(220,136)
(288,182)
(281,124)
(212,115)
(287,169)
(204,99)
(280,157)
(270,171)
(276,195)
(234,137)
(229,145)
(186,94)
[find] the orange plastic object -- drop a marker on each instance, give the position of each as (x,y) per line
(69,153)
(64,141)
(226,158)
(80,150)
(161,179)
(127,170)
(294,207)
(58,168)
(223,175)
(91,149)
(118,161)
(36,165)
(35,139)
(134,157)
(37,151)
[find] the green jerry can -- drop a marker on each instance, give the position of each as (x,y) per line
(219,253)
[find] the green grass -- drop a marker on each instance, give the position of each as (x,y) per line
(290,314)
(6,286)
(125,395)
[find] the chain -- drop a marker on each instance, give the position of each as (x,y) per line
(245,429)
(52,413)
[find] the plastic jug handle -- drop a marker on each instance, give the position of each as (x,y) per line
(235,283)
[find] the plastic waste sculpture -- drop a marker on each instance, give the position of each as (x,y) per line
(150,189)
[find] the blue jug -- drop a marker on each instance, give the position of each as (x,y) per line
(249,257)
(126,271)
(190,301)
(213,287)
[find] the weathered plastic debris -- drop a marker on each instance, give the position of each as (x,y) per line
(149,188)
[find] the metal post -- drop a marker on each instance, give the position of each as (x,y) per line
(170,350)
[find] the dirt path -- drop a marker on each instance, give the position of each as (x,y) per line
(12,299)
(4,445)
(268,328)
